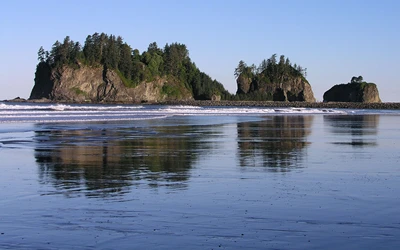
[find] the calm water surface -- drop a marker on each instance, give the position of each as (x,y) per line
(314,180)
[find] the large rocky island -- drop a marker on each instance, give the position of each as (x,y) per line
(106,69)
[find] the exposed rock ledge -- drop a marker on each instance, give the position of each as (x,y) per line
(99,85)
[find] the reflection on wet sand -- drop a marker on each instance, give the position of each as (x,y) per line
(277,143)
(362,129)
(84,161)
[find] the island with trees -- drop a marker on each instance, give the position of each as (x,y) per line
(273,80)
(357,90)
(106,69)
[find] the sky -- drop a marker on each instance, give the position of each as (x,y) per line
(335,40)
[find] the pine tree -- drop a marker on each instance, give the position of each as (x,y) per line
(41,54)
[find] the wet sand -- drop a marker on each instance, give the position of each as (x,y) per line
(272,182)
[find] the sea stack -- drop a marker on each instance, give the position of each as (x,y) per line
(356,90)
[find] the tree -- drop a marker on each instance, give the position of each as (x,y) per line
(358,79)
(76,52)
(282,60)
(89,50)
(240,68)
(263,66)
(273,59)
(287,62)
(41,54)
(125,61)
(55,54)
(175,57)
(111,57)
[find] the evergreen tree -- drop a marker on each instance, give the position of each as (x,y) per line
(125,61)
(240,68)
(41,54)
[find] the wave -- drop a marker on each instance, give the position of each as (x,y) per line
(88,112)
(73,119)
(248,111)
(62,107)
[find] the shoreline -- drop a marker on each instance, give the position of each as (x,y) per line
(338,105)
(272,104)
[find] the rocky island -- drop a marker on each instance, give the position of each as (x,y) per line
(273,81)
(357,90)
(108,70)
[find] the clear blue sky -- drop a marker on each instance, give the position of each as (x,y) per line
(334,40)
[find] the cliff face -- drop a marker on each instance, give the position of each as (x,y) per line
(96,84)
(353,92)
(295,89)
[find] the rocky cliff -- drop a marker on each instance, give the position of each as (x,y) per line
(353,92)
(294,89)
(97,84)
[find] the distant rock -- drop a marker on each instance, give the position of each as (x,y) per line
(216,98)
(353,92)
(96,85)
(16,99)
(243,84)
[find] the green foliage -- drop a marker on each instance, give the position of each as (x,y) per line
(359,83)
(41,54)
(172,91)
(78,91)
(128,83)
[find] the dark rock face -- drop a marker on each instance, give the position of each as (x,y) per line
(243,84)
(353,92)
(294,90)
(96,84)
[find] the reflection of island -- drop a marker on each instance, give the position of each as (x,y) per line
(86,160)
(277,143)
(361,129)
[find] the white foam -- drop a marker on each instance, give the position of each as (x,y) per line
(61,107)
(76,112)
(38,120)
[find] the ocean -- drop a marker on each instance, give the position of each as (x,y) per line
(77,176)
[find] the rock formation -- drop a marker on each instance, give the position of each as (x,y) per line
(294,89)
(353,92)
(97,84)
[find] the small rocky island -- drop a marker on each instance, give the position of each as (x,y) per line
(273,81)
(357,90)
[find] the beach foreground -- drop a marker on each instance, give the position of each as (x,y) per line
(199,178)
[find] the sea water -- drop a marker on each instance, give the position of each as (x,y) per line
(162,177)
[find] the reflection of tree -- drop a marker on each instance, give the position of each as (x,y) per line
(276,143)
(76,160)
(360,127)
